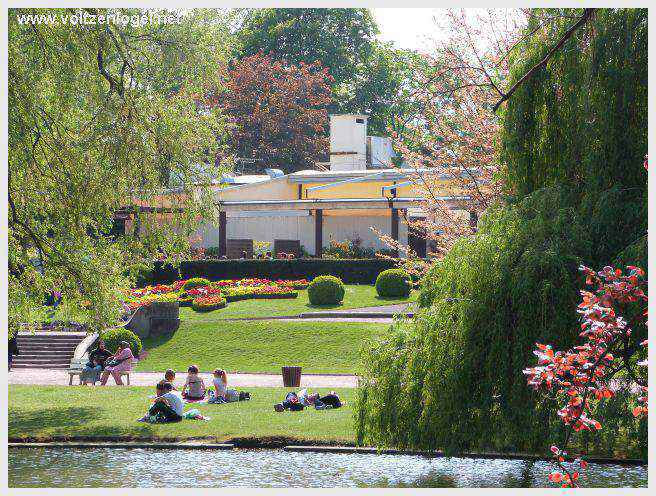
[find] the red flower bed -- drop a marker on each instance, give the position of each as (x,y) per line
(208,303)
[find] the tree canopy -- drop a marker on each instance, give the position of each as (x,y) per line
(573,147)
(367,75)
(277,113)
(100,116)
(339,39)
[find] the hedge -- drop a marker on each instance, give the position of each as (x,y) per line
(350,271)
(112,338)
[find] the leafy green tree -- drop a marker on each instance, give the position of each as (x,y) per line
(368,76)
(573,143)
(101,113)
(385,88)
(340,39)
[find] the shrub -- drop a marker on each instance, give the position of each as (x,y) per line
(208,303)
(194,282)
(394,282)
(212,252)
(113,337)
(362,271)
(326,290)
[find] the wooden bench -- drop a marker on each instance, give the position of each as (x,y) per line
(77,364)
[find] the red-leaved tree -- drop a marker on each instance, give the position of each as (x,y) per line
(276,112)
(583,376)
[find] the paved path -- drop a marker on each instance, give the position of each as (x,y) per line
(391,309)
(60,377)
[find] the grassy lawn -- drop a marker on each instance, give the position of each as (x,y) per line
(356,296)
(41,412)
(259,346)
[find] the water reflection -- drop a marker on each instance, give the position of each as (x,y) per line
(98,467)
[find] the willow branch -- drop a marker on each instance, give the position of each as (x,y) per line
(587,15)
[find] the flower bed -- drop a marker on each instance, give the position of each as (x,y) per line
(208,296)
(269,292)
(208,303)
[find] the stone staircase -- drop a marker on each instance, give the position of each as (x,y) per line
(46,350)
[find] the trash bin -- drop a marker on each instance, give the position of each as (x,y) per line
(291,376)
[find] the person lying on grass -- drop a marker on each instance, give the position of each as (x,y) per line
(194,388)
(298,401)
(167,405)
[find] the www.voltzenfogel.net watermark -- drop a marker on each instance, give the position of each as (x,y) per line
(84,18)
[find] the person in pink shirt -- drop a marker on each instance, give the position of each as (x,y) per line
(120,362)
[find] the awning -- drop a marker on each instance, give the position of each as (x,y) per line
(456,202)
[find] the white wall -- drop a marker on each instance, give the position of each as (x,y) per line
(259,226)
(341,228)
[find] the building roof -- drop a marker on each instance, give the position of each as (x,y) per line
(244,179)
(333,203)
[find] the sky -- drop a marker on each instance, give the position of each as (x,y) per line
(419,28)
(408,28)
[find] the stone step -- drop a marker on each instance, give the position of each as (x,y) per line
(43,362)
(37,349)
(32,366)
(48,343)
(28,342)
(54,356)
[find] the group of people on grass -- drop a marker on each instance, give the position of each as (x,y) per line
(103,363)
(168,403)
(296,402)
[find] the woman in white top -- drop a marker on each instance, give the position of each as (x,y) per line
(220,386)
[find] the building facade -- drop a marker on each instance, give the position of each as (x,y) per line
(356,195)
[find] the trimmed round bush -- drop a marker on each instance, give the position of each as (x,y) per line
(326,290)
(113,337)
(195,282)
(394,283)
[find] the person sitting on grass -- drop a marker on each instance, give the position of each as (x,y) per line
(169,376)
(97,358)
(167,406)
(121,361)
(194,387)
(220,387)
(221,392)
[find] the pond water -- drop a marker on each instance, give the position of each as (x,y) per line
(114,467)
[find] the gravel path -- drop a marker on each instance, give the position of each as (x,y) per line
(60,377)
(398,308)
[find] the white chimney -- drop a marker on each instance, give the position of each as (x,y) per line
(348,142)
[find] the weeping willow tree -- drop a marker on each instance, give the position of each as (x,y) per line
(573,144)
(100,115)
